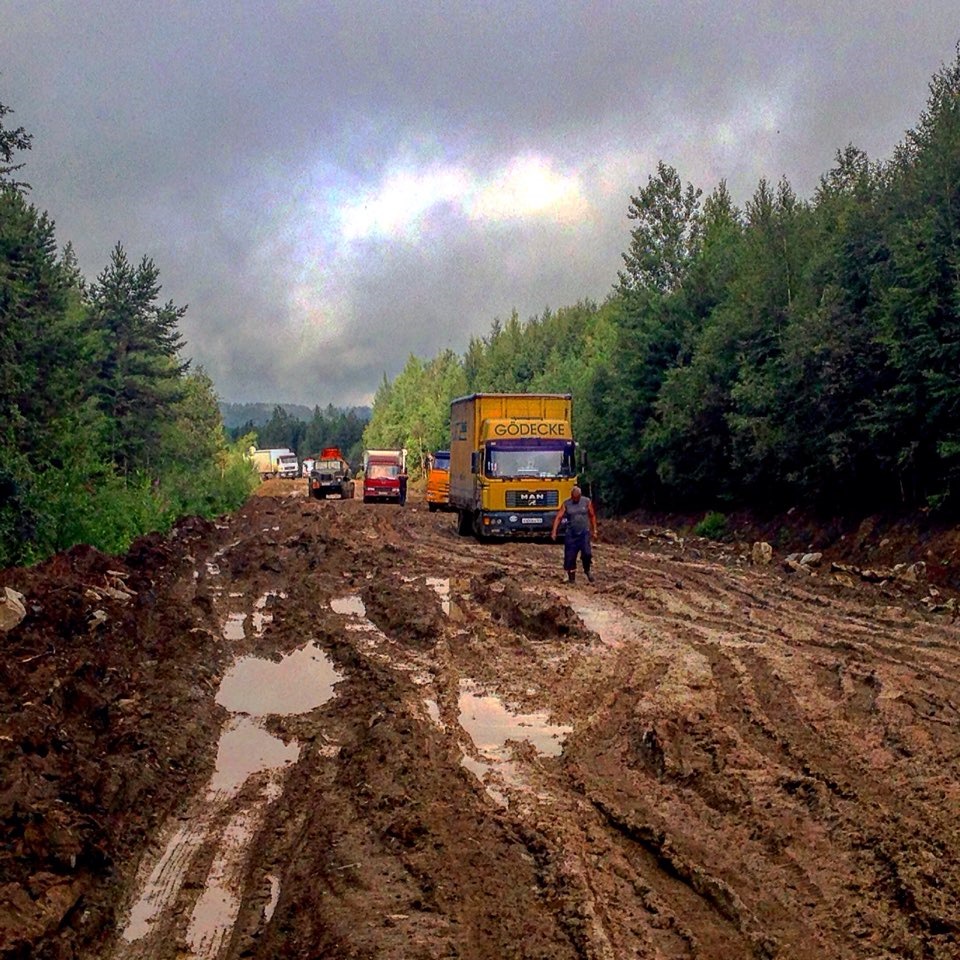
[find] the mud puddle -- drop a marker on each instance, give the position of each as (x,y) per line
(227,816)
(492,728)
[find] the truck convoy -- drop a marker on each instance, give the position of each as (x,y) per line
(382,470)
(512,462)
(330,475)
(275,462)
(438,481)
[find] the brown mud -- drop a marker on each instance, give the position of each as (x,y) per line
(323,729)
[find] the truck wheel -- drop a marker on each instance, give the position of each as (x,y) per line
(366,499)
(432,507)
(464,523)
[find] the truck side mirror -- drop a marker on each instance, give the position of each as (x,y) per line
(584,460)
(473,461)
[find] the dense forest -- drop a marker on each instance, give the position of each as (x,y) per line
(237,415)
(787,351)
(105,430)
(332,427)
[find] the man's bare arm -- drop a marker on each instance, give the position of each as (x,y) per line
(556,521)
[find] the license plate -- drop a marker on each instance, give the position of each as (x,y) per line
(532,520)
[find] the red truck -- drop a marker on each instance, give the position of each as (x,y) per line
(384,475)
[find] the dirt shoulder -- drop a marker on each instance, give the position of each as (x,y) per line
(330,729)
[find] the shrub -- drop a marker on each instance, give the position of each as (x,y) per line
(713,526)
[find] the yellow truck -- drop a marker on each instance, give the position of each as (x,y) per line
(512,462)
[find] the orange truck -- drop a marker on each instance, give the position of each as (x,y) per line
(438,482)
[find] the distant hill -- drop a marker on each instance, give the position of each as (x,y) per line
(237,414)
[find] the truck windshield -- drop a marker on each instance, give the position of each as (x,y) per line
(529,458)
(383,471)
(441,461)
(327,466)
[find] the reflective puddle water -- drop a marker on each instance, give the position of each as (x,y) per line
(245,748)
(613,626)
(351,606)
(299,682)
(490,725)
(434,712)
(251,690)
(233,628)
(271,906)
(449,606)
(215,913)
(261,617)
(442,587)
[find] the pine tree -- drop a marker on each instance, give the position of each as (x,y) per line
(139,382)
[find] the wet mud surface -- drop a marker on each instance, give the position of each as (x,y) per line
(323,729)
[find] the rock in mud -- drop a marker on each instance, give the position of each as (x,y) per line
(12,610)
(762,553)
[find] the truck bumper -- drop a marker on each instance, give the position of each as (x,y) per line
(513,523)
(381,493)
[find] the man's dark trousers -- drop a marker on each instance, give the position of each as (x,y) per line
(574,544)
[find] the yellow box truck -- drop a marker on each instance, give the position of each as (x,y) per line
(512,462)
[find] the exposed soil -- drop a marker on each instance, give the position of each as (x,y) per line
(323,729)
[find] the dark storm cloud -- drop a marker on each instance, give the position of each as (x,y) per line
(330,185)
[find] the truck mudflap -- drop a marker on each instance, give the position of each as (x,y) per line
(511,523)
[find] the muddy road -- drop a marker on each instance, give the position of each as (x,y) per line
(324,729)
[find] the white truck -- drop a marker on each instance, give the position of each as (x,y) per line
(275,462)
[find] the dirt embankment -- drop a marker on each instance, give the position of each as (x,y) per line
(328,729)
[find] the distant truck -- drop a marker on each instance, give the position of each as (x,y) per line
(330,475)
(382,470)
(275,462)
(512,462)
(438,481)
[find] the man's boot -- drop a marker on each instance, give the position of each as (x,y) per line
(571,576)
(586,570)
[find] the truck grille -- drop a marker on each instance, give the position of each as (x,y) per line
(532,498)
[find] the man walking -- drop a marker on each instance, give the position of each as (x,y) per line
(581,524)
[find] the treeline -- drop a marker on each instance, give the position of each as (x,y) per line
(787,351)
(105,431)
(239,414)
(332,427)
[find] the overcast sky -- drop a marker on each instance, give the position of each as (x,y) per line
(331,186)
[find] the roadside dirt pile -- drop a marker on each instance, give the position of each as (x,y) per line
(318,728)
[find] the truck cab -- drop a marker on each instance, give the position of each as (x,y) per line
(288,466)
(438,481)
(274,462)
(513,462)
(330,476)
(383,473)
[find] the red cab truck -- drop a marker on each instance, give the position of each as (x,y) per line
(382,472)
